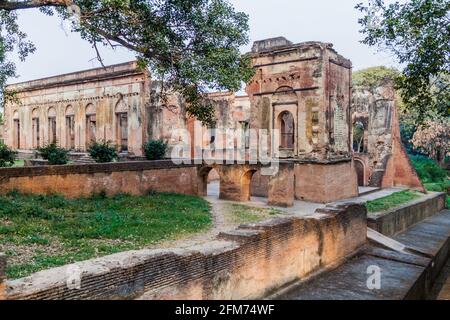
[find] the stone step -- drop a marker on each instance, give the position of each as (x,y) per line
(402,275)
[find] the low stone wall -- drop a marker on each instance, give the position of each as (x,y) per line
(399,219)
(135,178)
(247,263)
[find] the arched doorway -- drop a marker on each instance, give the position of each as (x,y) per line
(91,124)
(16,130)
(70,128)
(359,167)
(52,134)
(35,128)
(286,125)
(121,112)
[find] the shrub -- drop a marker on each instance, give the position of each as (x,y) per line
(429,171)
(7,156)
(155,149)
(103,152)
(54,154)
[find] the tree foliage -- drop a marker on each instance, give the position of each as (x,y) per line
(433,138)
(193,45)
(417,33)
(7,156)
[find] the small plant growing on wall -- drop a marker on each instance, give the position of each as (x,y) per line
(103,152)
(155,149)
(7,156)
(54,154)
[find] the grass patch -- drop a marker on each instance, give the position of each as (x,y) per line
(19,163)
(40,232)
(394,200)
(239,214)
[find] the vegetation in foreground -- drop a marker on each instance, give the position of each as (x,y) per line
(433,176)
(392,201)
(40,232)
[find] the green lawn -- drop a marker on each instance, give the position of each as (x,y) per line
(394,200)
(239,214)
(40,232)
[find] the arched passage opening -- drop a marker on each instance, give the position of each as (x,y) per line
(246,183)
(209,182)
(359,167)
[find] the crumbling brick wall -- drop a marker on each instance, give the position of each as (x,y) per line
(73,181)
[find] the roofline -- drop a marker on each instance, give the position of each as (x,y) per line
(27,85)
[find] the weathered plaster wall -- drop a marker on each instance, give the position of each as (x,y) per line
(102,92)
(243,264)
(312,82)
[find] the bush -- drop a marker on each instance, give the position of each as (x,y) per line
(429,171)
(155,149)
(103,152)
(54,154)
(7,156)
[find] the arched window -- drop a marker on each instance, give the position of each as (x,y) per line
(16,130)
(52,137)
(70,127)
(91,124)
(359,133)
(286,121)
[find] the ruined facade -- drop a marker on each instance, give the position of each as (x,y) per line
(300,95)
(380,158)
(304,91)
(74,109)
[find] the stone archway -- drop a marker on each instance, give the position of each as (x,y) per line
(202,179)
(246,182)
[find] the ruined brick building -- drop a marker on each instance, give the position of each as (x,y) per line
(380,158)
(302,90)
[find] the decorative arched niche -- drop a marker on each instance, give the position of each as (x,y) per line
(285,110)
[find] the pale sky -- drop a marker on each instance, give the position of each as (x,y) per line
(334,21)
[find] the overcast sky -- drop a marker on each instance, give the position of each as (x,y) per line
(334,21)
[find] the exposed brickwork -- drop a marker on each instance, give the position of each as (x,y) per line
(324,183)
(383,161)
(244,264)
(399,219)
(82,180)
